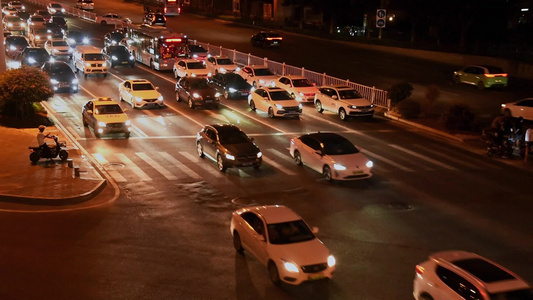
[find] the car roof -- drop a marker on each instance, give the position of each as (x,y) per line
(220,56)
(258,66)
(272,88)
(139,81)
(327,137)
(104,101)
(340,87)
(294,76)
(273,214)
(190,60)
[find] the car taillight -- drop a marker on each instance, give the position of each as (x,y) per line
(292,141)
(495,75)
(165,10)
(419,270)
(274,38)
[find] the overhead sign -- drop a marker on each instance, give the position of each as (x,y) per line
(381,18)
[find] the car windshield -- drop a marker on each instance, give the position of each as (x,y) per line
(263,72)
(195,65)
(301,83)
(108,109)
(94,57)
(234,79)
(40,31)
(280,96)
(116,36)
(494,70)
(12,19)
(60,21)
(39,55)
(37,19)
(339,146)
(232,136)
(199,84)
(118,50)
(43,13)
(349,94)
(289,232)
(225,61)
(60,69)
(17,40)
(196,48)
(56,5)
(74,34)
(59,43)
(513,295)
(143,86)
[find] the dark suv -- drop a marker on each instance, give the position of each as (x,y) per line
(197,92)
(266,39)
(157,19)
(118,56)
(34,57)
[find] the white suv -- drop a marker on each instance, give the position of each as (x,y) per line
(458,275)
(343,101)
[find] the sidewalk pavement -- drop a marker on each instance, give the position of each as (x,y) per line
(45,183)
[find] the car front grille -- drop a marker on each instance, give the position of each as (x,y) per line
(315,268)
(150,100)
(292,108)
(96,65)
(246,158)
(115,125)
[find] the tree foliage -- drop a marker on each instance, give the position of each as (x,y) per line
(21,88)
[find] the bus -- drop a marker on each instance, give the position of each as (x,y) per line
(156,46)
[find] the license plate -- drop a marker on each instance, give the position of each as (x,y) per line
(244,94)
(124,62)
(247,164)
(274,42)
(316,277)
(62,85)
(357,172)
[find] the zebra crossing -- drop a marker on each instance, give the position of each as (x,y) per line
(181,165)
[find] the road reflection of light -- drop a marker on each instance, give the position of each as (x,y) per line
(14,64)
(160,120)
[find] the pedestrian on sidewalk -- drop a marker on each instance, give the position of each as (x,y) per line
(529,141)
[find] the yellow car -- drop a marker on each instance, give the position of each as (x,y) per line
(481,76)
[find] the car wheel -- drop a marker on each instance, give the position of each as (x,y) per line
(342,114)
(480,85)
(257,166)
(456,79)
(226,95)
(127,135)
(178,99)
(426,297)
(297,158)
(103,23)
(270,112)
(507,112)
(252,105)
(273,273)
(63,155)
(84,122)
(319,107)
(220,163)
(96,133)
(237,243)
(326,171)
(199,149)
(34,157)
(191,104)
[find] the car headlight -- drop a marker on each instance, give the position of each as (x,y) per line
(37,37)
(138,99)
(259,154)
(71,41)
(31,60)
(49,37)
(331,261)
(209,74)
(222,70)
(101,124)
(87,64)
(279,106)
(22,25)
(193,75)
(195,95)
(352,106)
(53,10)
(230,157)
(128,123)
(232,90)
(114,57)
(23,7)
(75,81)
(54,81)
(339,167)
(238,69)
(291,267)
(12,48)
(85,40)
(10,24)
(369,164)
(300,106)
(104,65)
(131,57)
(160,98)
(301,94)
(217,94)
(55,50)
(195,55)
(62,10)
(261,81)
(70,50)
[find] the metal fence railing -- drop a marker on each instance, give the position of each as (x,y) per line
(72,11)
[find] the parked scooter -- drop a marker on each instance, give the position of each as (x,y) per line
(37,153)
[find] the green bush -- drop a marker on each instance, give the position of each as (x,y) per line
(21,88)
(409,108)
(458,117)
(399,92)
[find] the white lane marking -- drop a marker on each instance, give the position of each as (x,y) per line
(138,131)
(488,165)
(109,168)
(386,160)
(278,166)
(431,160)
(133,167)
(285,156)
(73,132)
(454,159)
(184,115)
(196,160)
(253,118)
(156,166)
(217,116)
(180,165)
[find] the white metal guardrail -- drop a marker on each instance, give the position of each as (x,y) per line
(376,96)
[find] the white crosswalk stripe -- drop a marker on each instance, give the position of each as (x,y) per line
(109,168)
(133,167)
(433,161)
(156,166)
(454,159)
(285,156)
(386,160)
(196,160)
(180,165)
(278,166)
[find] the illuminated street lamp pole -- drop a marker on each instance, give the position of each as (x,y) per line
(2,48)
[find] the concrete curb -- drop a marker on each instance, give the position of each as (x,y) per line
(424,128)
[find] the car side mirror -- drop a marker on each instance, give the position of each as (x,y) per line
(90,111)
(157,88)
(266,98)
(293,96)
(334,97)
(314,229)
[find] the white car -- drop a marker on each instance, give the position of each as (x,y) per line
(299,87)
(275,101)
(258,76)
(343,101)
(58,48)
(458,275)
(55,8)
(282,241)
(14,23)
(190,67)
(17,5)
(112,19)
(332,155)
(140,93)
(221,64)
(35,21)
(521,108)
(9,11)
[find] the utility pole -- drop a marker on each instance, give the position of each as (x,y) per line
(3,67)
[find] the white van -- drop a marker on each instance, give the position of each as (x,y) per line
(89,60)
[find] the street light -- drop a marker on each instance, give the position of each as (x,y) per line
(2,48)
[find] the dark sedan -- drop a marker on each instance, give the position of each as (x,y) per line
(197,92)
(61,76)
(118,56)
(60,21)
(34,57)
(266,39)
(232,85)
(157,19)
(75,37)
(54,31)
(113,38)
(15,44)
(228,146)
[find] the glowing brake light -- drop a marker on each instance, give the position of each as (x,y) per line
(419,270)
(172,40)
(179,10)
(171,1)
(165,10)
(495,75)
(274,38)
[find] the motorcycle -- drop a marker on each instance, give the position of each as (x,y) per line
(510,144)
(37,153)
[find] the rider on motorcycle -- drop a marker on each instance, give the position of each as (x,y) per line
(41,141)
